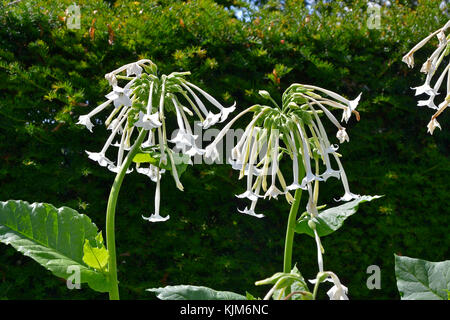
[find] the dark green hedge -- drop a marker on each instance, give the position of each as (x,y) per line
(49,73)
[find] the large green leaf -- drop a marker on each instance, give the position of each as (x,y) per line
(330,220)
(54,237)
(187,292)
(422,280)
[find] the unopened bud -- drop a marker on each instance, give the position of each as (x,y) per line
(264,94)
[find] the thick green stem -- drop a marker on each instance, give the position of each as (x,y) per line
(290,231)
(110,217)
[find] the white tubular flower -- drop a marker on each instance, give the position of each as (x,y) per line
(116,169)
(338,291)
(342,135)
(100,158)
(295,184)
(152,172)
(210,120)
(120,97)
(428,103)
(237,165)
(148,121)
(347,194)
(251,211)
(409,57)
(122,148)
(351,104)
(86,121)
(309,177)
(211,150)
(433,124)
(224,112)
(249,193)
(273,191)
(425,88)
(111,79)
(156,217)
(319,251)
(134,69)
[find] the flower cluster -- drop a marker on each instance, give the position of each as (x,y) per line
(294,130)
(429,68)
(138,114)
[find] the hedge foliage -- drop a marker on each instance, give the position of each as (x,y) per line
(51,74)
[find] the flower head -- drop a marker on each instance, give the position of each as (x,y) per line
(142,99)
(293,131)
(429,67)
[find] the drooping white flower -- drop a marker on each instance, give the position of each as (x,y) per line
(134,69)
(352,104)
(433,124)
(211,119)
(348,195)
(237,165)
(151,172)
(425,88)
(342,135)
(156,217)
(409,60)
(251,211)
(249,194)
(309,176)
(100,158)
(86,121)
(295,184)
(111,79)
(427,103)
(338,291)
(224,112)
(120,97)
(212,153)
(148,121)
(116,169)
(409,57)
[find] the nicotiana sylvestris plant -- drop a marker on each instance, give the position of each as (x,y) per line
(293,131)
(430,68)
(419,279)
(64,241)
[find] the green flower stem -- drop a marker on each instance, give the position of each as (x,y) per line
(316,287)
(110,215)
(290,231)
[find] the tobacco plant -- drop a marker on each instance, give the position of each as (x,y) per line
(292,131)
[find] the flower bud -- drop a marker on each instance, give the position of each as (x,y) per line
(264,94)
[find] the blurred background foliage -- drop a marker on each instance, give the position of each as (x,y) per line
(51,74)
